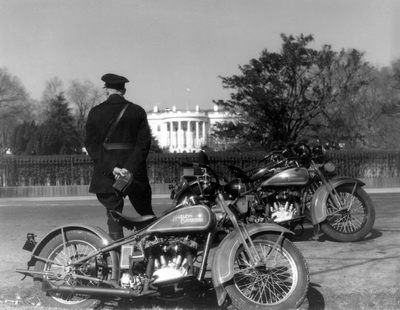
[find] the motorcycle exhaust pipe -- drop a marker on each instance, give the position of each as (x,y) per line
(50,287)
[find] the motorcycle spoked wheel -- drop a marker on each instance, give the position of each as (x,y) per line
(79,244)
(281,283)
(352,222)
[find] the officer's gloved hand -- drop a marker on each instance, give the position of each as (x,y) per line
(119,172)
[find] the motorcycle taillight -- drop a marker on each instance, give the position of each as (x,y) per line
(30,242)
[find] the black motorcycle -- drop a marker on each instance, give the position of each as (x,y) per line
(254,267)
(295,185)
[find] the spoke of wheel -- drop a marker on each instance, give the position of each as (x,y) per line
(274,284)
(338,223)
(265,288)
(348,222)
(350,197)
(276,288)
(61,257)
(355,221)
(74,249)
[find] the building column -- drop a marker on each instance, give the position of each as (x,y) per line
(197,134)
(179,135)
(171,134)
(204,133)
(190,135)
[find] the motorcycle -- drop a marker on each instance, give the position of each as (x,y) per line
(254,267)
(297,185)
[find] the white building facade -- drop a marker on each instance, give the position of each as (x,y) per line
(183,130)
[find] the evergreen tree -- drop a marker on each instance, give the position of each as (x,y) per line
(23,138)
(155,146)
(57,135)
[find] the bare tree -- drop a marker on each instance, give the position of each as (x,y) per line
(84,96)
(54,88)
(15,106)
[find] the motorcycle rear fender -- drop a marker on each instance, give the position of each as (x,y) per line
(222,265)
(318,203)
(57,231)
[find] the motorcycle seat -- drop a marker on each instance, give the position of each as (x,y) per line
(130,223)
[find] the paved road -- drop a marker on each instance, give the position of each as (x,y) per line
(368,270)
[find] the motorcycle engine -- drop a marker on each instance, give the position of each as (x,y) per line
(167,259)
(284,205)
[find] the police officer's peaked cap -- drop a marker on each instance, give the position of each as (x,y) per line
(114,81)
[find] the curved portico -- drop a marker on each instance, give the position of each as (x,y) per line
(182,131)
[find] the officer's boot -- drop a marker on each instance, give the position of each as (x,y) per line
(116,236)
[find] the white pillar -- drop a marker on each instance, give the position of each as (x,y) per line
(179,144)
(185,135)
(197,134)
(165,135)
(172,143)
(190,135)
(204,133)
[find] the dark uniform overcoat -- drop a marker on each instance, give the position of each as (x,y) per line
(132,128)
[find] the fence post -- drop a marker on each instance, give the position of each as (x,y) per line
(72,170)
(13,172)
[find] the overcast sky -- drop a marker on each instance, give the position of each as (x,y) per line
(173,51)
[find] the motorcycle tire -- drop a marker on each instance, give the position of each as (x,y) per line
(355,220)
(281,283)
(78,244)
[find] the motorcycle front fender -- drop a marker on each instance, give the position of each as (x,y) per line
(222,265)
(318,202)
(58,230)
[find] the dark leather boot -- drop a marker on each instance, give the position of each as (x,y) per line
(116,236)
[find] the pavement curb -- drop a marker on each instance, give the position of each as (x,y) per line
(69,198)
(160,196)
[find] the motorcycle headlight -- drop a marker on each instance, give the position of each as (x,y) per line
(235,187)
(319,150)
(329,167)
(319,154)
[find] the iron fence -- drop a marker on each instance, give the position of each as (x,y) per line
(167,168)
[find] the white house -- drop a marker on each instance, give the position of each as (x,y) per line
(184,130)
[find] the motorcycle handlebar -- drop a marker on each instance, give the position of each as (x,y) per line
(198,165)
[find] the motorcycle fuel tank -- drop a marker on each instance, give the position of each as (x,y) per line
(289,177)
(189,219)
(259,173)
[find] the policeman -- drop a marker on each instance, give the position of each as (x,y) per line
(130,144)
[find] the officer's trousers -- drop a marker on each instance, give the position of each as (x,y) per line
(140,197)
